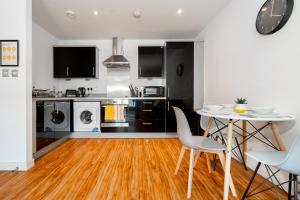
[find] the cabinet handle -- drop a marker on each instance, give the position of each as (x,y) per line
(67,71)
(147,123)
(147,110)
(140,71)
(93,71)
(147,102)
(168,106)
(168,92)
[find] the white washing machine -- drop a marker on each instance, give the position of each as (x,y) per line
(56,116)
(87,116)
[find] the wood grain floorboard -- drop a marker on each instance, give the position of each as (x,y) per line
(121,169)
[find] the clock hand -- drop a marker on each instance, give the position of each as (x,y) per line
(273,2)
(272,8)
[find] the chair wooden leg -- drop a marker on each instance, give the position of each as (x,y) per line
(197,158)
(228,160)
(180,159)
(208,162)
(231,185)
(251,180)
(190,181)
(277,137)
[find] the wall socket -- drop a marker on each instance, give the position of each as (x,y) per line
(14,73)
(5,73)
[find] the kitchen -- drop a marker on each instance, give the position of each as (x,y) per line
(144,108)
(106,98)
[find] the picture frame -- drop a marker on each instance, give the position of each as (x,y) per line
(9,53)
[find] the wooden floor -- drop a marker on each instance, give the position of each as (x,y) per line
(119,169)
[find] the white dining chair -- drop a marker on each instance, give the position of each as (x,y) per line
(220,135)
(196,144)
(288,161)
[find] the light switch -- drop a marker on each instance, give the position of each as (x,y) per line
(14,73)
(5,73)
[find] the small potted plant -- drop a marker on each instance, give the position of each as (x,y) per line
(240,106)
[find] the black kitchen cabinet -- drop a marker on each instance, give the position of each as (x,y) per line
(180,81)
(151,62)
(150,115)
(75,62)
(142,116)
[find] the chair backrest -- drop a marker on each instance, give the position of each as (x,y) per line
(183,128)
(213,128)
(292,162)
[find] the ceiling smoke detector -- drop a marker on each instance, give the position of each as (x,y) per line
(96,12)
(70,14)
(137,14)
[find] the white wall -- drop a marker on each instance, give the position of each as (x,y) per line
(42,62)
(239,62)
(15,102)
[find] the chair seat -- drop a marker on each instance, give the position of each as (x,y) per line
(200,142)
(272,158)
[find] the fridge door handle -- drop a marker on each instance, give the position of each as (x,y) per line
(67,71)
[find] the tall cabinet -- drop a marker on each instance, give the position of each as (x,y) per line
(181,65)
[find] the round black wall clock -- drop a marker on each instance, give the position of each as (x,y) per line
(273,15)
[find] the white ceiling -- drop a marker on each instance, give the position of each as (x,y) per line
(159,18)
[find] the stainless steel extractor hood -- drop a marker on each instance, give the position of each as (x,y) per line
(117,59)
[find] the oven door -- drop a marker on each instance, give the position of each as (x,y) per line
(114,113)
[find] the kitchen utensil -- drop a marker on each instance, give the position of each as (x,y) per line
(81,91)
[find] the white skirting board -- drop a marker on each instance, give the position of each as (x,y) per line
(16,166)
(121,135)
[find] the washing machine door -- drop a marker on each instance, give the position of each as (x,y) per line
(57,116)
(86,117)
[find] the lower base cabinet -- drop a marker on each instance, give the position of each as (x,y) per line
(149,115)
(143,116)
(150,125)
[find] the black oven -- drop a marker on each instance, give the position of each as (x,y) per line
(114,113)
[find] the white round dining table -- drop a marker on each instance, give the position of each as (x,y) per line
(244,118)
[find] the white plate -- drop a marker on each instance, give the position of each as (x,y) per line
(272,115)
(219,112)
(212,108)
(262,110)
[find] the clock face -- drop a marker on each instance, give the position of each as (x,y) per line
(273,16)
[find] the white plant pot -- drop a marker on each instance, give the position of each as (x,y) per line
(240,108)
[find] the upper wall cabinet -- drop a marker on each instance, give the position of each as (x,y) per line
(75,62)
(151,62)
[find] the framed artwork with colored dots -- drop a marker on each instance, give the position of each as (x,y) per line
(9,53)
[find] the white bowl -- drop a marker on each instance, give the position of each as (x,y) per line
(227,106)
(262,110)
(213,107)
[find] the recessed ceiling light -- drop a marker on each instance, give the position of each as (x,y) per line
(71,14)
(137,14)
(96,12)
(179,11)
